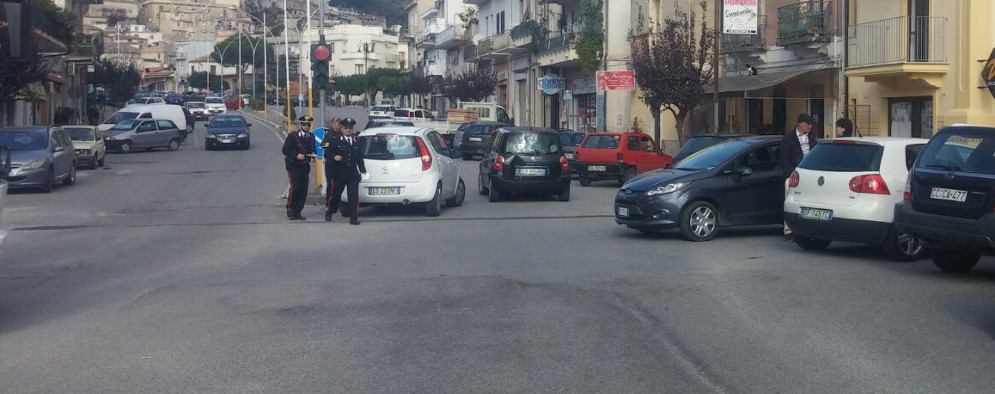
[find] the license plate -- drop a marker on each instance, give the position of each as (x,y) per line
(597,168)
(623,212)
(948,194)
(227,140)
(816,214)
(476,139)
(530,171)
(569,155)
(385,191)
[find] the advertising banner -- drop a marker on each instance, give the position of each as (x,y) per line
(739,17)
(616,80)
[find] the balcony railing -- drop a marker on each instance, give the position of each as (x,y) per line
(804,22)
(897,40)
(485,46)
(451,37)
(556,42)
(734,43)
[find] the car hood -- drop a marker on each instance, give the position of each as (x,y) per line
(83,144)
(227,130)
(648,180)
(22,157)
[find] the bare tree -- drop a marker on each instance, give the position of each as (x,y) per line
(672,63)
(471,85)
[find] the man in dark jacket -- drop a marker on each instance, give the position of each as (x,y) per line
(298,150)
(345,152)
(794,147)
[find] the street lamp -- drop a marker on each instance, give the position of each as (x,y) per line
(266,31)
(366,48)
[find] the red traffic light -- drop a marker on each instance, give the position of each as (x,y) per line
(321,53)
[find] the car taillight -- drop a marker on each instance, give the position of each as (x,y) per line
(793,179)
(564,164)
(499,164)
(619,156)
(426,156)
(908,189)
(869,184)
(577,155)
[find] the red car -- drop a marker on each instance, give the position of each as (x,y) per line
(233,102)
(617,156)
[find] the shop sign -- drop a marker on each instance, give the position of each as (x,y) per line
(616,80)
(568,95)
(739,17)
(551,84)
(988,73)
(584,85)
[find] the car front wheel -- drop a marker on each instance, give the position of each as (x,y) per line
(952,260)
(70,178)
(699,221)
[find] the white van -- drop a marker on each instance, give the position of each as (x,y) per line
(147,111)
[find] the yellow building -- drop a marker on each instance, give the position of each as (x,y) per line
(914,66)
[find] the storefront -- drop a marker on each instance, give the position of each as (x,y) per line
(584,105)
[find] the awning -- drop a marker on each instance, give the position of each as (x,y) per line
(746,83)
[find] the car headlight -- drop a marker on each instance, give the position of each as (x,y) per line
(212,136)
(665,189)
(33,164)
(243,135)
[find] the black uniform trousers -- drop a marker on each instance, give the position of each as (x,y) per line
(351,186)
(298,189)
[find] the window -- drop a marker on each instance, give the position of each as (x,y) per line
(843,158)
(146,127)
(23,139)
(389,147)
(532,143)
(911,154)
(359,69)
(633,143)
(763,159)
(601,141)
(166,125)
(80,133)
(214,70)
(437,143)
(499,19)
(974,153)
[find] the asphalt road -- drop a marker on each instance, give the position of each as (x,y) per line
(177,272)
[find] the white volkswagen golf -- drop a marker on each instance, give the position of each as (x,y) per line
(846,190)
(410,165)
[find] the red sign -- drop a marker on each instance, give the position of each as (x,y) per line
(616,80)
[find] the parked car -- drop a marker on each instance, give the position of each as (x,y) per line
(172,113)
(617,156)
(173,98)
(732,184)
(89,145)
(148,100)
(149,134)
(846,190)
(245,99)
(950,197)
(228,130)
(233,102)
(409,165)
(40,156)
(191,121)
(702,141)
(382,111)
(476,138)
(571,140)
(198,109)
(524,160)
(376,123)
(215,105)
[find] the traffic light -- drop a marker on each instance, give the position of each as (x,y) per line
(320,55)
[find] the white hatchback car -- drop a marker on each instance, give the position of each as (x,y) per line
(382,111)
(410,165)
(846,190)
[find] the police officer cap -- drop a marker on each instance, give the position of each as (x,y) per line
(305,119)
(349,122)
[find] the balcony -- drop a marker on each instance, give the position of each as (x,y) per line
(907,47)
(454,36)
(558,51)
(805,22)
(521,35)
(565,3)
(427,37)
(746,43)
(476,2)
(430,13)
(495,47)
(556,42)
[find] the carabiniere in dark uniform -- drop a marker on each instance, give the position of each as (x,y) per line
(298,150)
(345,155)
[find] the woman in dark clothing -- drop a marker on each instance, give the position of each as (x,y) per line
(844,128)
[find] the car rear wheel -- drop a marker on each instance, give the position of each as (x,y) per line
(70,178)
(809,243)
(585,181)
(565,194)
(901,246)
(174,145)
(480,186)
(951,260)
(434,208)
(699,221)
(457,200)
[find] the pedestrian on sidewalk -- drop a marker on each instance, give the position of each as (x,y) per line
(93,115)
(794,147)
(347,168)
(298,150)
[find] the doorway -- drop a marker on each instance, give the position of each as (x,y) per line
(817,108)
(911,117)
(918,30)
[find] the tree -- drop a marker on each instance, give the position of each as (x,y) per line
(352,85)
(199,80)
(119,79)
(396,86)
(590,43)
(229,48)
(15,76)
(377,77)
(419,83)
(670,65)
(471,85)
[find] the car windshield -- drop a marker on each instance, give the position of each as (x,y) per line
(195,105)
(380,108)
(965,152)
(227,121)
(478,129)
(120,117)
(837,157)
(389,147)
(24,139)
(80,133)
(602,141)
(713,156)
(571,139)
(126,125)
(696,144)
(532,143)
(214,100)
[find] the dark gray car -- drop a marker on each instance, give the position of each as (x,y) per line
(40,156)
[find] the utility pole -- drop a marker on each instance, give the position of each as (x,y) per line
(324,92)
(715,66)
(265,69)
(366,68)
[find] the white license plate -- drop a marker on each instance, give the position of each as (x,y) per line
(476,139)
(530,171)
(939,193)
(385,191)
(816,214)
(597,168)
(227,140)
(623,212)
(569,155)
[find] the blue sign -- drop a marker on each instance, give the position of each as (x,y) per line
(552,84)
(319,135)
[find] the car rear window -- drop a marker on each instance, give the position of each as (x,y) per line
(836,157)
(602,141)
(402,113)
(214,100)
(973,153)
(389,147)
(479,129)
(531,143)
(227,121)
(380,108)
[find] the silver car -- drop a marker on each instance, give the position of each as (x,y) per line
(39,157)
(89,145)
(146,134)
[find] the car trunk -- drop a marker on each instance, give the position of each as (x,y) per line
(824,175)
(955,176)
(834,189)
(391,159)
(531,167)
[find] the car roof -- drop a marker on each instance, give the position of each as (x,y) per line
(723,135)
(399,130)
(525,130)
(883,140)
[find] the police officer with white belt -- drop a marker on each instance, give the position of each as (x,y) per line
(298,150)
(346,153)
